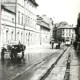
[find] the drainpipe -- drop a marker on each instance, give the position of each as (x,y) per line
(24,19)
(0,25)
(15,16)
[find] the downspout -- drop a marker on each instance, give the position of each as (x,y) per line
(15,16)
(0,26)
(24,19)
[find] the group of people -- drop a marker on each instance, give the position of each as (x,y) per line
(57,46)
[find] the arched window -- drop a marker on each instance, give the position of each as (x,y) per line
(12,35)
(22,37)
(6,35)
(22,19)
(18,17)
(26,38)
(18,35)
(29,39)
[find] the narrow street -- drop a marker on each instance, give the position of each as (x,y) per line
(40,40)
(48,64)
(11,69)
(37,72)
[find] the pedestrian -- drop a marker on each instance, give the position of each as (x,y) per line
(52,43)
(59,44)
(3,52)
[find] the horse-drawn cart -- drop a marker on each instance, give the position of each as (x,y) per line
(13,48)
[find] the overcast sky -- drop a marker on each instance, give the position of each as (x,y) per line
(60,10)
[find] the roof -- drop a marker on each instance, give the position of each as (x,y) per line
(65,27)
(10,9)
(34,2)
(42,21)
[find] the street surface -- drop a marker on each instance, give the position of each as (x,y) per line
(37,62)
(58,71)
(10,69)
(36,72)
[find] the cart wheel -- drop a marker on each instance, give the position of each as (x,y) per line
(11,55)
(2,54)
(15,55)
(22,54)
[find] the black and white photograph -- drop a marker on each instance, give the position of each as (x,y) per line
(39,39)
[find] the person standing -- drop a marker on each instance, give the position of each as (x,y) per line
(52,43)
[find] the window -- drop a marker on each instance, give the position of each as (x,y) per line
(8,0)
(7,36)
(26,21)
(26,38)
(22,19)
(69,35)
(66,34)
(66,30)
(18,17)
(12,35)
(21,37)
(31,37)
(69,30)
(13,20)
(17,35)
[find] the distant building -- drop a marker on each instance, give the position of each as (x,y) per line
(45,24)
(18,21)
(66,32)
(62,32)
(55,32)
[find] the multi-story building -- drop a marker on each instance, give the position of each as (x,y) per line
(44,24)
(63,32)
(7,25)
(66,32)
(22,13)
(50,22)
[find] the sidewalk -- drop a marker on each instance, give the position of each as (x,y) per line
(75,66)
(44,46)
(39,46)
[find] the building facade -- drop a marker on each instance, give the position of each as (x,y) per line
(7,25)
(55,31)
(64,32)
(67,33)
(22,24)
(45,26)
(77,31)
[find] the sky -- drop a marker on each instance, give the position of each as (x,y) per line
(60,10)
